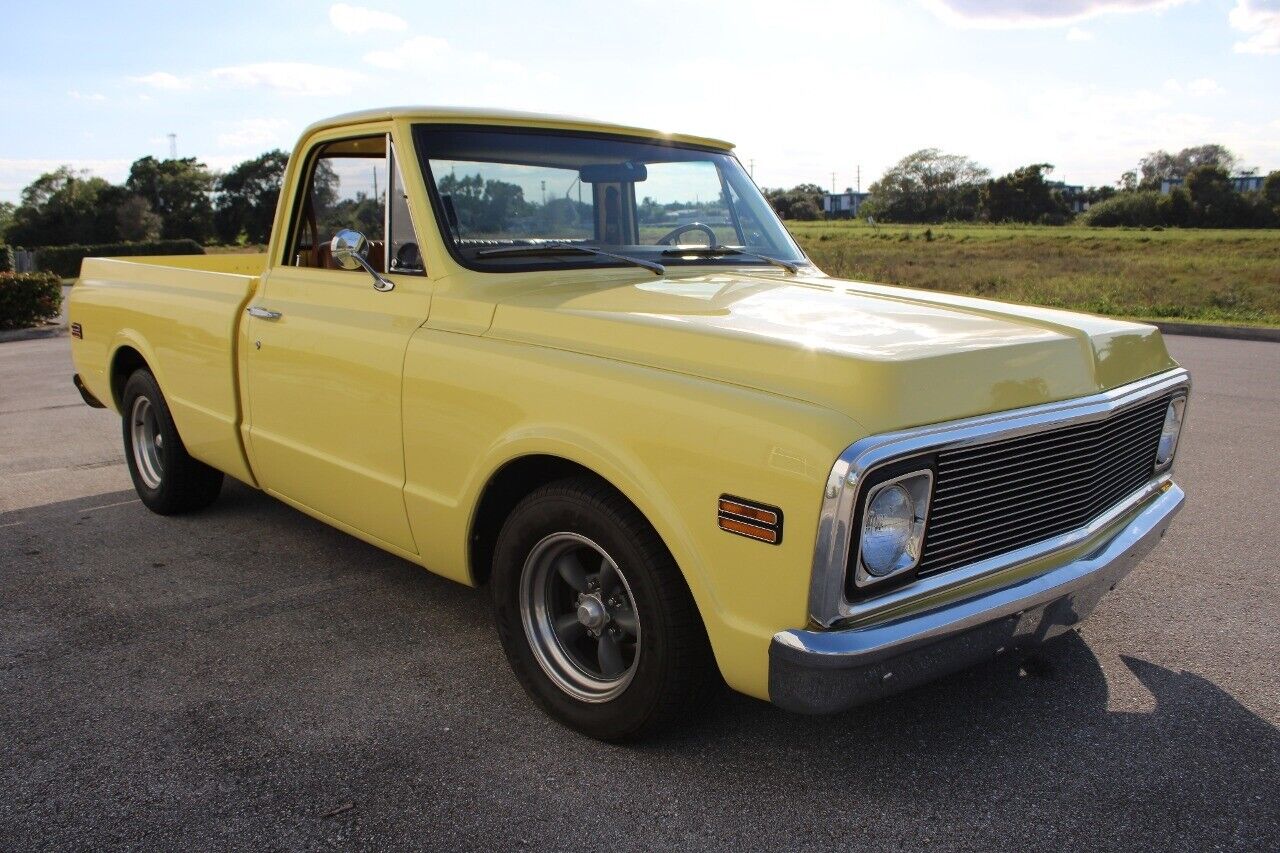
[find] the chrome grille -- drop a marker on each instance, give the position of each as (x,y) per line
(993,498)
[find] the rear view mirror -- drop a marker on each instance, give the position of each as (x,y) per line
(348,248)
(613,173)
(350,251)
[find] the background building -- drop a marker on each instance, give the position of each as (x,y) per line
(843,205)
(1240,183)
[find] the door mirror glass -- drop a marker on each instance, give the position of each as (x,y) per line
(348,248)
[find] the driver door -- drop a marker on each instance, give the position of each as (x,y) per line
(325,349)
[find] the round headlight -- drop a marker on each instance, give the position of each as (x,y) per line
(887,530)
(1169,433)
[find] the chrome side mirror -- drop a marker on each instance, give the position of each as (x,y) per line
(350,250)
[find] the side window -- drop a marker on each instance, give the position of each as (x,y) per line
(346,188)
(405,256)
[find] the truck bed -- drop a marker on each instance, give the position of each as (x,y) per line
(180,315)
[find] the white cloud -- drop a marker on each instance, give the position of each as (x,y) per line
(86,96)
(255,133)
(428,53)
(1009,14)
(417,51)
(163,80)
(16,173)
(1078,34)
(359,19)
(290,78)
(1204,87)
(1260,21)
(1201,87)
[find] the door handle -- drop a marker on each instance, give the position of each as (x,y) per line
(262,313)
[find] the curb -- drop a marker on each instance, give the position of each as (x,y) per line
(32,334)
(1204,330)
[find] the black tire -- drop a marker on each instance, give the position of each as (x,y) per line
(178,483)
(672,668)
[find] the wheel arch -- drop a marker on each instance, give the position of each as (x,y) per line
(125,361)
(520,474)
(129,352)
(506,486)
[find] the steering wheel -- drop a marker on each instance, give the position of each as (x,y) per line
(669,238)
(408,258)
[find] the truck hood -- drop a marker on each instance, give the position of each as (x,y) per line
(888,357)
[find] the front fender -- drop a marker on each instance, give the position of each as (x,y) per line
(672,444)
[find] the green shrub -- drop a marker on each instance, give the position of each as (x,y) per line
(1134,209)
(64,261)
(27,298)
(6,259)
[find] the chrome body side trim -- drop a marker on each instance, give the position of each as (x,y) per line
(828,604)
(828,671)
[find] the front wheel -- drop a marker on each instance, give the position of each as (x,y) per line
(167,479)
(594,615)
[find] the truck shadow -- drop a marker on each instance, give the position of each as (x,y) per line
(1035,738)
(271,616)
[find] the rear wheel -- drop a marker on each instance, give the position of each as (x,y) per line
(594,615)
(166,477)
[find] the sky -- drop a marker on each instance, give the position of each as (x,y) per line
(805,88)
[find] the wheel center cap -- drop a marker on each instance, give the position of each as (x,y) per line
(591,612)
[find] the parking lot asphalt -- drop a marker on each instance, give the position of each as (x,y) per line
(247,678)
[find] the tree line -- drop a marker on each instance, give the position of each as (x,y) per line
(184,199)
(931,186)
(159,200)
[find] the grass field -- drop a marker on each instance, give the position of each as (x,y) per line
(1174,274)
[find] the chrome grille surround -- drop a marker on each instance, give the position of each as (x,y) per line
(828,602)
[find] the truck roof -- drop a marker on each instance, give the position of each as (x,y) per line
(470,115)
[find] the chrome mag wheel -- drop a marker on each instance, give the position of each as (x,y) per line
(579,617)
(148,443)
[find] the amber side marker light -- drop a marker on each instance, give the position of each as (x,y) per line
(750,519)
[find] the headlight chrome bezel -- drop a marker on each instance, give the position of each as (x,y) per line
(918,484)
(1178,408)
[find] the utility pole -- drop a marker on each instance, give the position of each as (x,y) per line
(859,184)
(544,193)
(173,146)
(833,182)
(751,168)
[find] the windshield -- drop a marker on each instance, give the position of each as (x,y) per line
(539,193)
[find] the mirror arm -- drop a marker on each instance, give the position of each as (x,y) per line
(380,282)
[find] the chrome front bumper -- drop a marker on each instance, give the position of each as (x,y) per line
(819,672)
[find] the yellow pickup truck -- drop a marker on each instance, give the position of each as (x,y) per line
(586,366)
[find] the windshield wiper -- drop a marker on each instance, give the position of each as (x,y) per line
(568,248)
(720,251)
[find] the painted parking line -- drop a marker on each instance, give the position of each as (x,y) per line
(108,506)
